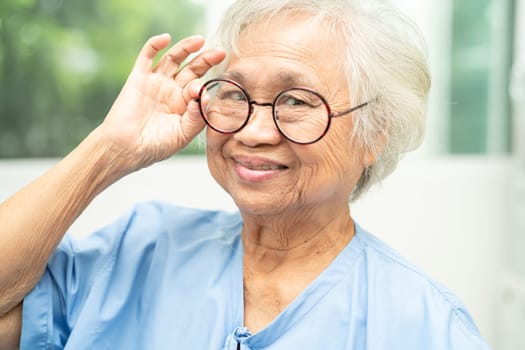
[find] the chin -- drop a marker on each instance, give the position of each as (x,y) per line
(260,205)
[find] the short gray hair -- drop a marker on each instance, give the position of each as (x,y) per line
(386,64)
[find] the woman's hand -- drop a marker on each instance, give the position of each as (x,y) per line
(154,115)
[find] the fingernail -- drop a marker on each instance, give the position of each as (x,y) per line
(196,36)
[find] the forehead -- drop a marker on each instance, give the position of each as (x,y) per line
(289,48)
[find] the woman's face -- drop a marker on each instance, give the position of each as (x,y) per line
(263,172)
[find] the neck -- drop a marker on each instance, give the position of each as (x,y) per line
(273,241)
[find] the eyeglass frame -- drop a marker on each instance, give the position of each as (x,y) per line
(251,102)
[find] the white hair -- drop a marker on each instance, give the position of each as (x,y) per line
(385,64)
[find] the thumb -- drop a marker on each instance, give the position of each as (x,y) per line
(192,122)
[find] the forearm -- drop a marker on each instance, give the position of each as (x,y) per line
(34,220)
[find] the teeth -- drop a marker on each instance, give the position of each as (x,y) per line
(263,167)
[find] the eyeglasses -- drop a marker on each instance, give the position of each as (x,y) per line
(301,115)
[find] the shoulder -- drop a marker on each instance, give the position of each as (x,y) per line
(148,229)
(160,216)
(145,223)
(423,310)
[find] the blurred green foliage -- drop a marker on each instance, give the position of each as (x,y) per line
(63,62)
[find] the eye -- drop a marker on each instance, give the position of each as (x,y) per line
(299,98)
(232,95)
(289,100)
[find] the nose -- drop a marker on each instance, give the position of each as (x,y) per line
(260,128)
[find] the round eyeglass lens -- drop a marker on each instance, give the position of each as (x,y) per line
(301,115)
(224,106)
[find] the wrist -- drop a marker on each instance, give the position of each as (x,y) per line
(103,161)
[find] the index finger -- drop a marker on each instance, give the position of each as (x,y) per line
(171,60)
(150,50)
(198,66)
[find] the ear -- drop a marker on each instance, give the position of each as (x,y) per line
(373,152)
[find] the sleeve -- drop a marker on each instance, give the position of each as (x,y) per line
(463,334)
(52,308)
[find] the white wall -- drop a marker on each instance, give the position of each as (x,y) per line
(511,335)
(448,216)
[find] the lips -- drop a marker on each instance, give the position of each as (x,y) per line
(257,169)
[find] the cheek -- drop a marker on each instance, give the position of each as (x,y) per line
(338,158)
(320,168)
(214,155)
(333,161)
(215,140)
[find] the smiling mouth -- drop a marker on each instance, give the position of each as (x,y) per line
(261,167)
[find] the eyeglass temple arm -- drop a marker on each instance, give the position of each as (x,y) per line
(340,114)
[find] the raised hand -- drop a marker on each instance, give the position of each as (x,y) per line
(154,115)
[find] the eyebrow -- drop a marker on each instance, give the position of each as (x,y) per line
(290,79)
(234,75)
(286,79)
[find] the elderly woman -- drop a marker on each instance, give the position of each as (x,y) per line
(313,101)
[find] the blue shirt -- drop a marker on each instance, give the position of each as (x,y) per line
(167,277)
